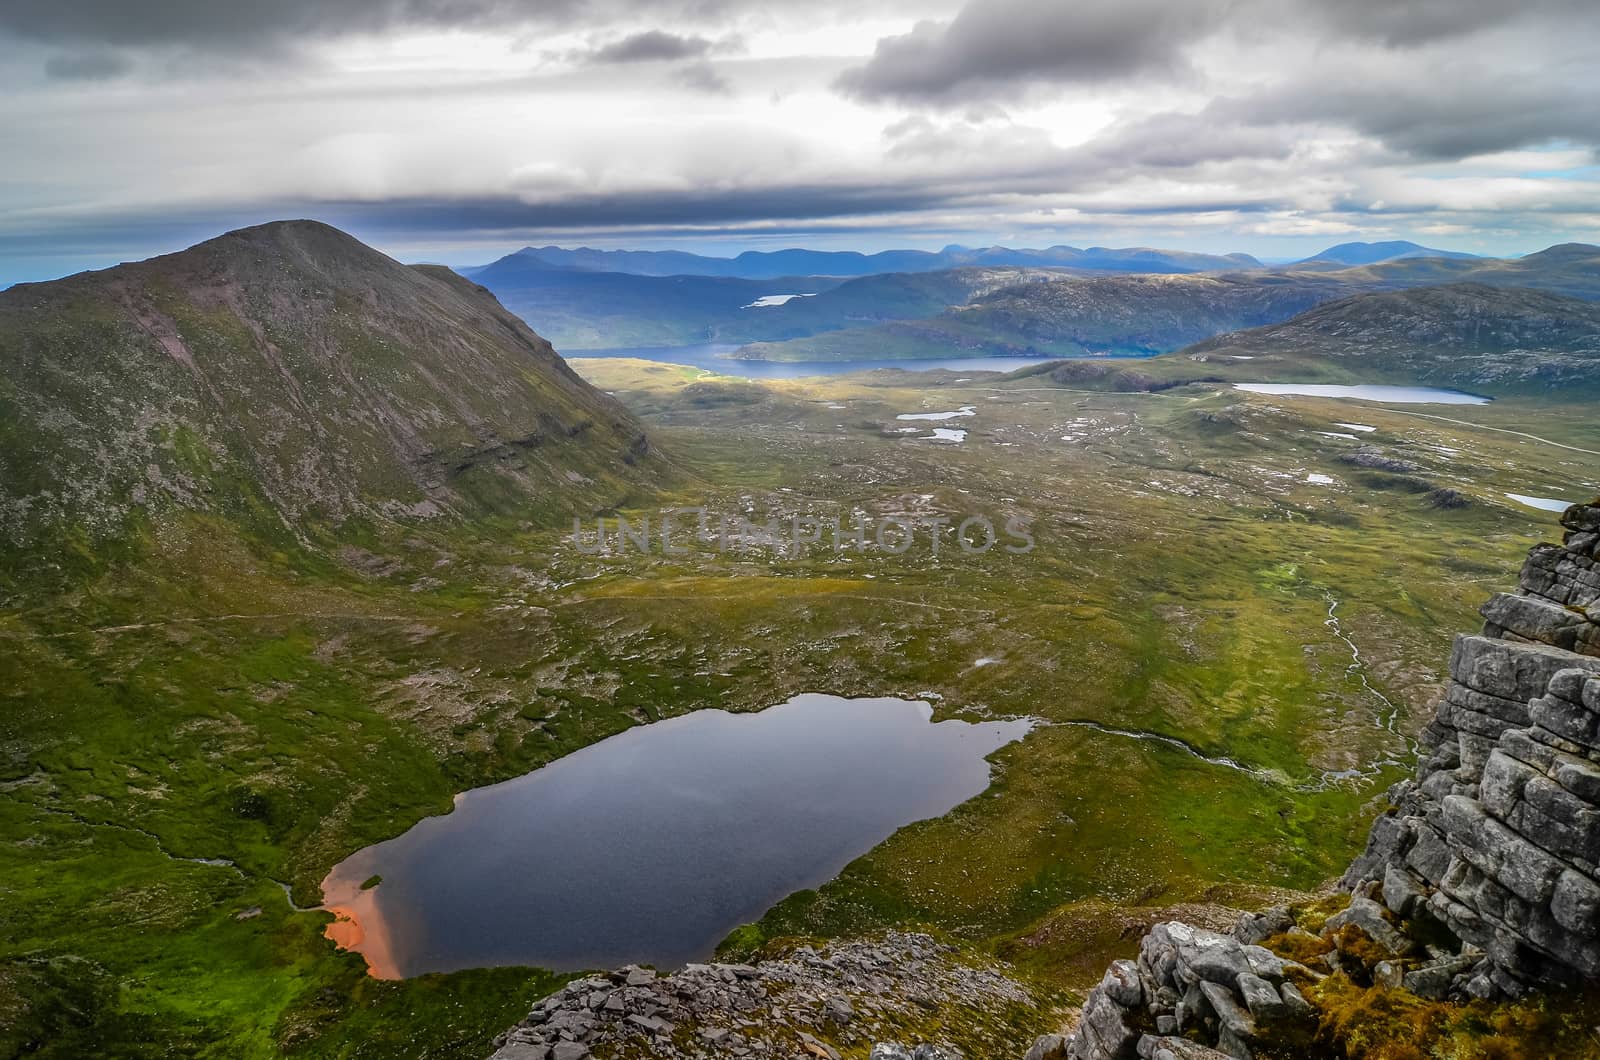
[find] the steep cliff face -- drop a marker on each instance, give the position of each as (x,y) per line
(1498,837)
(1480,882)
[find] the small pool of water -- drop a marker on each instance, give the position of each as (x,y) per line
(769,301)
(652,845)
(1394,395)
(1544,504)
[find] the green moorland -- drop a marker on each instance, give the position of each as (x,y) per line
(213,691)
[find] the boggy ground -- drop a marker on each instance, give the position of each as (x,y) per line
(1215,642)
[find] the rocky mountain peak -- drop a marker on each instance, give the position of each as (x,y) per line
(287,368)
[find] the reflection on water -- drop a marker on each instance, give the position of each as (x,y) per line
(652,845)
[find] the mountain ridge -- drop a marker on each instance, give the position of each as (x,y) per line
(798,261)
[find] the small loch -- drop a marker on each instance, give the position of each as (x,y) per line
(1543,504)
(651,845)
(1390,395)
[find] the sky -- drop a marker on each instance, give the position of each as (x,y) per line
(458,130)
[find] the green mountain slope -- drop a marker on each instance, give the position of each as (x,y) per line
(290,378)
(1471,336)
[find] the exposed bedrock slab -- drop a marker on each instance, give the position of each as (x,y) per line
(1498,836)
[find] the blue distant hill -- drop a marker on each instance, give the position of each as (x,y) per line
(1372,253)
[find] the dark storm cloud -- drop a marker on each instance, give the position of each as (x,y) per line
(995,45)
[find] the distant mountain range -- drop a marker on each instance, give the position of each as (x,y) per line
(1073,316)
(1571,269)
(1372,253)
(768,265)
(287,380)
(915,303)
(1087,315)
(580,310)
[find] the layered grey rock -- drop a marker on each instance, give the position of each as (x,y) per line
(1491,853)
(1497,839)
(1191,982)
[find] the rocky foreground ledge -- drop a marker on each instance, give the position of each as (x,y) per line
(857,996)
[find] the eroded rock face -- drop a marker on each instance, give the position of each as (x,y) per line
(1497,839)
(1189,983)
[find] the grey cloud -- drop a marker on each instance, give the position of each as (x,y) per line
(652,45)
(207,22)
(993,46)
(703,78)
(87,66)
(693,207)
(1180,141)
(1410,23)
(1433,117)
(268,24)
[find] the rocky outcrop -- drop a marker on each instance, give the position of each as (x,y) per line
(1497,838)
(1188,988)
(805,1003)
(1482,879)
